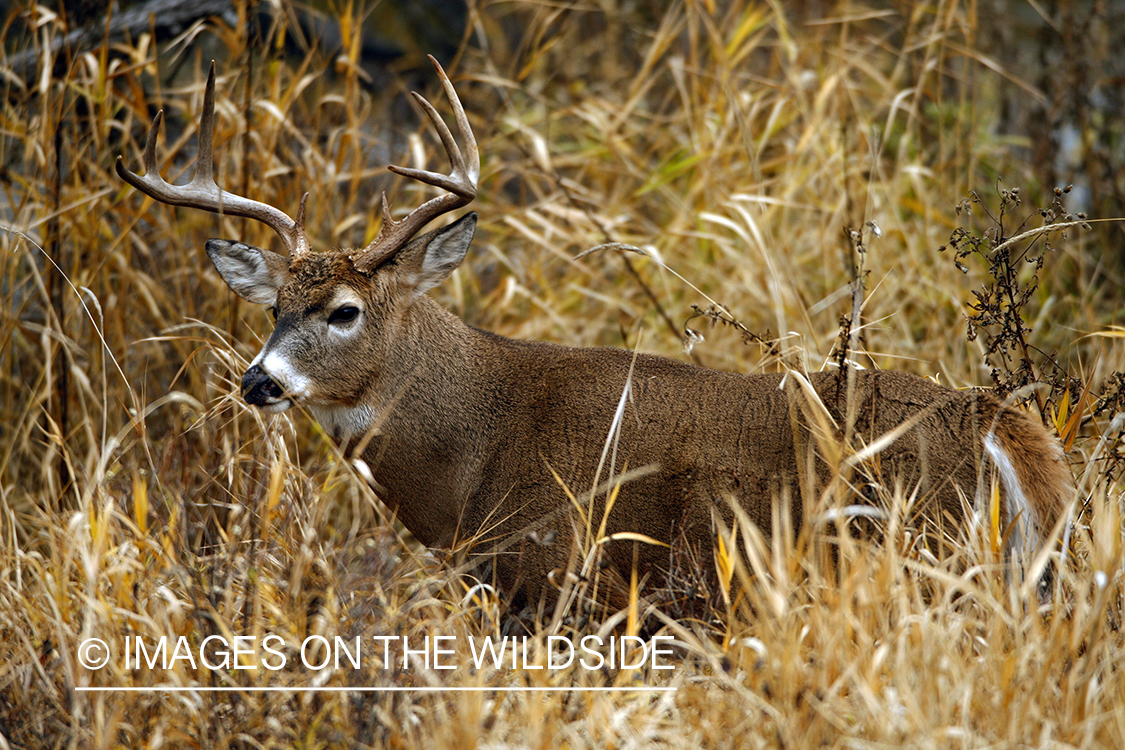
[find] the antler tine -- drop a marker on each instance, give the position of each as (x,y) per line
(461,182)
(202,191)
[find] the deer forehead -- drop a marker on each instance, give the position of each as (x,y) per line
(324,281)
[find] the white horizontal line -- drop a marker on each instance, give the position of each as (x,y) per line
(389,689)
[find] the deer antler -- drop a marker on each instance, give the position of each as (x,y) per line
(461,182)
(203,192)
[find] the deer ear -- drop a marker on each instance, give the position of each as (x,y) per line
(251,273)
(437,254)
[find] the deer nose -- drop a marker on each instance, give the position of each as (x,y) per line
(258,388)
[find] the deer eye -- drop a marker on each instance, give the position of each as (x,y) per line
(345,314)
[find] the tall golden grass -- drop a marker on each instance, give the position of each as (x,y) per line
(731,142)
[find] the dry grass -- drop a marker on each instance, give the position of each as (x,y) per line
(141,498)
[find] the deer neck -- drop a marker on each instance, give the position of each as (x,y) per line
(422,424)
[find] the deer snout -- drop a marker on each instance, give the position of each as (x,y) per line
(259,389)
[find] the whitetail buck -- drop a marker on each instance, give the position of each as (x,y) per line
(466,434)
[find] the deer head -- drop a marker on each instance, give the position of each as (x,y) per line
(336,312)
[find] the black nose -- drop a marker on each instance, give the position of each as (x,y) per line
(258,389)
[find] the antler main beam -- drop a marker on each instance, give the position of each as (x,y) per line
(461,182)
(203,192)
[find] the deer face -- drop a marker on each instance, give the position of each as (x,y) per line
(335,323)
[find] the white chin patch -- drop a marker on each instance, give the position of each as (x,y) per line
(277,406)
